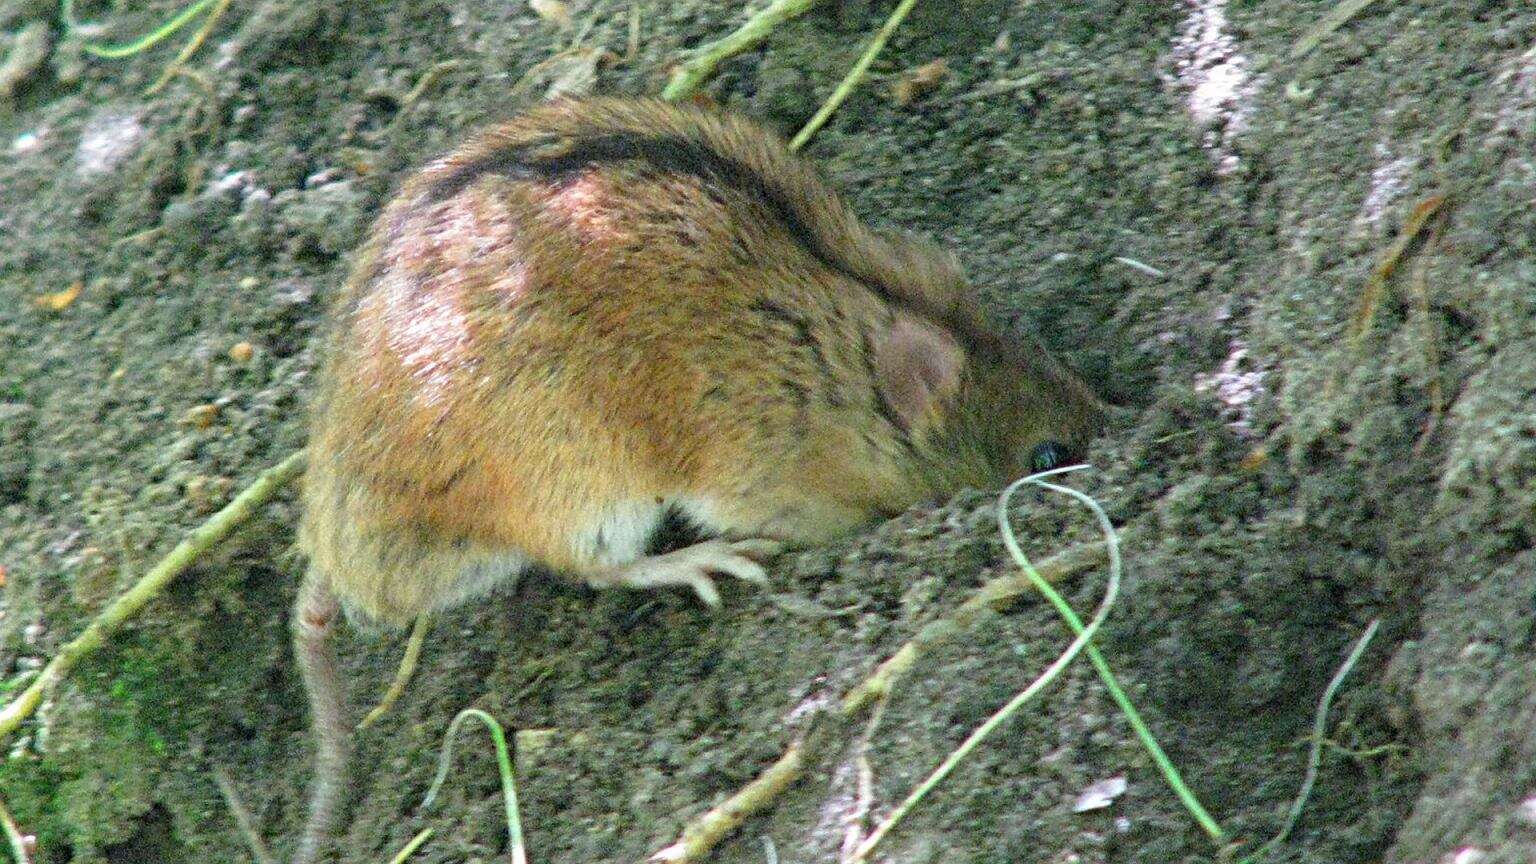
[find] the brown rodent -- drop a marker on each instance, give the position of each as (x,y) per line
(607,310)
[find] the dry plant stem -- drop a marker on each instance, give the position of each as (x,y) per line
(1337,17)
(697,69)
(190,48)
(1381,274)
(854,76)
(404,673)
(706,832)
(410,848)
(632,44)
(13,838)
(995,593)
(853,836)
(1315,754)
(202,538)
(243,820)
(427,79)
(1431,338)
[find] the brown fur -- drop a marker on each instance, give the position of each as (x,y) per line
(609,305)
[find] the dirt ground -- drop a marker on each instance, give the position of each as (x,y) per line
(1182,208)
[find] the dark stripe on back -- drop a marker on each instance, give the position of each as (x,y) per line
(562,158)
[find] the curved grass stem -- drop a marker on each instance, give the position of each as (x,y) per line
(1044,679)
(1315,754)
(519,854)
(128,49)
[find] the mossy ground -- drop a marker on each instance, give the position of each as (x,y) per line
(1065,140)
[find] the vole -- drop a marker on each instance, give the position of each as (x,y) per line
(608,310)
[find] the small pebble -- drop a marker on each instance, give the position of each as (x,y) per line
(201,416)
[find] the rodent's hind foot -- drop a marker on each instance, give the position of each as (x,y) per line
(693,565)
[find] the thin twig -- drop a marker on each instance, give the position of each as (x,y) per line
(1381,274)
(190,48)
(632,44)
(998,592)
(706,832)
(1430,337)
(1052,672)
(13,837)
(427,79)
(402,674)
(243,820)
(1335,18)
(854,76)
(1315,754)
(864,797)
(410,848)
(202,538)
(694,71)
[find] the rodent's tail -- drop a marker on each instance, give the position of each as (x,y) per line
(315,614)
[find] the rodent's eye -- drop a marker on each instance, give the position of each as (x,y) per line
(1047,455)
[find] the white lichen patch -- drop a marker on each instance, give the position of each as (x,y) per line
(1517,110)
(1216,77)
(27,143)
(1388,181)
(106,141)
(1235,384)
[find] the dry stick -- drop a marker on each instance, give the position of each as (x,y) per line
(13,836)
(1043,680)
(243,820)
(403,674)
(202,538)
(190,48)
(410,848)
(854,76)
(1381,274)
(853,833)
(694,71)
(997,592)
(1315,753)
(1430,337)
(1336,17)
(705,832)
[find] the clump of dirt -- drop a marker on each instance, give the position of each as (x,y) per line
(1176,205)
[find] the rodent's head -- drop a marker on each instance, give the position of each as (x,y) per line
(982,409)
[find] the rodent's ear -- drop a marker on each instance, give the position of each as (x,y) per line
(918,367)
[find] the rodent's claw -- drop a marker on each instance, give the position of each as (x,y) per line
(758,548)
(692,566)
(705,588)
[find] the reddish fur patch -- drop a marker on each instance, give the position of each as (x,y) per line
(587,205)
(447,254)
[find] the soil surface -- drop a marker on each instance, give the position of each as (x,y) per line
(1308,278)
